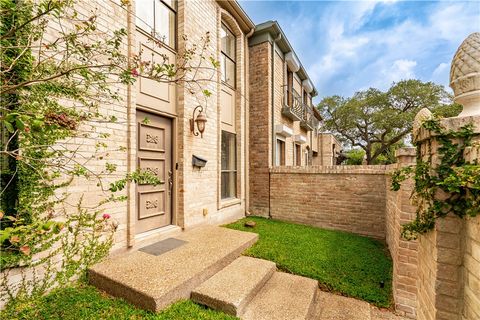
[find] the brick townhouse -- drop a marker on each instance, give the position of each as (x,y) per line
(284,124)
(259,114)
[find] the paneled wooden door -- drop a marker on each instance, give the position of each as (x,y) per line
(154,154)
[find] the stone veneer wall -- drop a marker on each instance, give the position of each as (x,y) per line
(348,198)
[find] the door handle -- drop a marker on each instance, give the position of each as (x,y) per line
(170,181)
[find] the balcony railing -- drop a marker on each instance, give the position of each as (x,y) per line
(292,105)
(307,118)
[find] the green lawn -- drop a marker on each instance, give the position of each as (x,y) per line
(85,302)
(342,262)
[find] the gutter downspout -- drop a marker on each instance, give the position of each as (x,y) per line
(279,36)
(247,121)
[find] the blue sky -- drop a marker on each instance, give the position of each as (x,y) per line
(348,46)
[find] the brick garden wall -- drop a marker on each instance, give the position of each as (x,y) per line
(355,199)
(348,198)
(399,211)
(449,256)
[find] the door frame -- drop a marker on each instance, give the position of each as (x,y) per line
(174,120)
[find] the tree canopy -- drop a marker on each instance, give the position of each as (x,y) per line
(377,121)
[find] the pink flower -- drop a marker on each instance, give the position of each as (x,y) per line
(134,72)
(106,216)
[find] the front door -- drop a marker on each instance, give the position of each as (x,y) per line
(154,155)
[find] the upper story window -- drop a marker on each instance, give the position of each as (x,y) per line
(280,153)
(228,58)
(305,97)
(157,18)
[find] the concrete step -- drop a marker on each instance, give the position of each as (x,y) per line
(283,297)
(231,289)
(153,282)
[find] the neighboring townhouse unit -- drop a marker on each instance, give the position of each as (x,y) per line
(329,150)
(284,125)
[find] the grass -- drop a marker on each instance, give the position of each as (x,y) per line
(342,262)
(85,302)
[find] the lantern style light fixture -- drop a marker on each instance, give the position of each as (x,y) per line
(200,120)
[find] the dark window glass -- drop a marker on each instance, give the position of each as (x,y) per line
(229,165)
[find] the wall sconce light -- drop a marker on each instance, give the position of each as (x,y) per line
(201,119)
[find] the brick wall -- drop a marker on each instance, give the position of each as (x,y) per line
(399,211)
(260,127)
(471,270)
(449,255)
(199,190)
(348,198)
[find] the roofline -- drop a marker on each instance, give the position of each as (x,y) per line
(237,11)
(273,28)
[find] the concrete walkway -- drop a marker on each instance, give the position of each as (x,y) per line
(205,264)
(154,281)
(330,306)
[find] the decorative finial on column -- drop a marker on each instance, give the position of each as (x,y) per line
(422,116)
(465,75)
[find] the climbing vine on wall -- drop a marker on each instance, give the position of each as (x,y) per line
(58,70)
(445,182)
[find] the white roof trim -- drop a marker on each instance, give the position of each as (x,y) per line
(307,85)
(292,61)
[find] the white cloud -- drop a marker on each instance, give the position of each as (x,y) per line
(400,70)
(355,58)
(441,74)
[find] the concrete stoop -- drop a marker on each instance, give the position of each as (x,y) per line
(154,282)
(251,289)
(234,287)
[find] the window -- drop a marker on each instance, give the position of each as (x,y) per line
(157,17)
(227,62)
(298,155)
(280,153)
(229,165)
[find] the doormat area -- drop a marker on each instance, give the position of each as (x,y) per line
(163,246)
